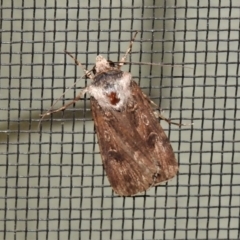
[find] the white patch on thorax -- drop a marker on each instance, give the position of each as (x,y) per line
(120,86)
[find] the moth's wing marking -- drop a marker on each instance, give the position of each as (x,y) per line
(150,130)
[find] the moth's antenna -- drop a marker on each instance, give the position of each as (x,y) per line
(87,73)
(123,59)
(154,64)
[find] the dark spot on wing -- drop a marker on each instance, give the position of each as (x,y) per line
(152,139)
(114,155)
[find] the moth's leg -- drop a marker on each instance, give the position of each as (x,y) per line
(159,115)
(151,102)
(77,98)
(123,59)
(88,74)
(157,109)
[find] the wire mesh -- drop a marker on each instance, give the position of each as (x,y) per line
(52,182)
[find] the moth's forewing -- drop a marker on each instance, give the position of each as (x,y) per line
(136,152)
(155,139)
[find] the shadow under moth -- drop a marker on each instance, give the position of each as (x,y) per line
(135,151)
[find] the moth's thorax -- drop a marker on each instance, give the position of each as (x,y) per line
(111,86)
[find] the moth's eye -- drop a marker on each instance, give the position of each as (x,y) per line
(111,64)
(94,70)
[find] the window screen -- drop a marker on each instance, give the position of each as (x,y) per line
(52,181)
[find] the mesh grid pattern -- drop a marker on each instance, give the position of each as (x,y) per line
(52,182)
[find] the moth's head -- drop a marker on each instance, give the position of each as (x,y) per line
(103,65)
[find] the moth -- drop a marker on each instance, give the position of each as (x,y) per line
(135,151)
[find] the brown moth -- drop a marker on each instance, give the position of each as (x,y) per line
(136,152)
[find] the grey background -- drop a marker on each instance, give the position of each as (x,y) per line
(52,184)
